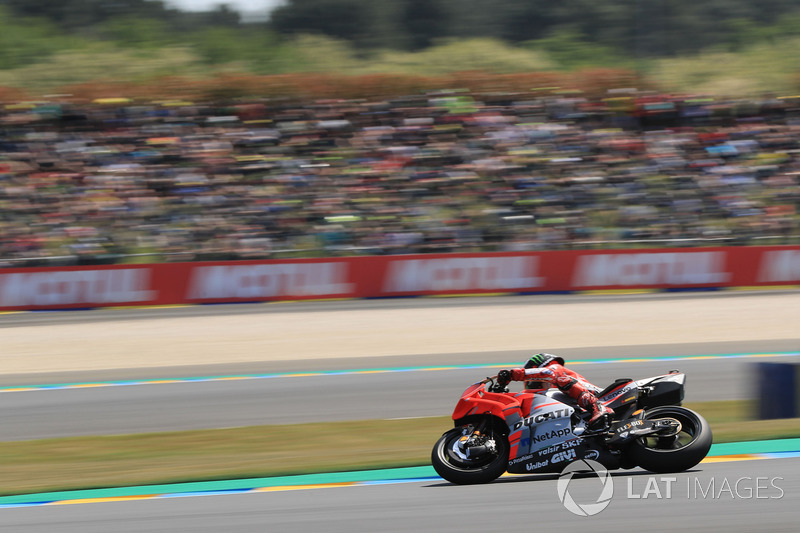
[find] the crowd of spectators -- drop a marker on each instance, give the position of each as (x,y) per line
(112,181)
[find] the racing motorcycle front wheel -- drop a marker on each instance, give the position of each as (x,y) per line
(682,445)
(465,456)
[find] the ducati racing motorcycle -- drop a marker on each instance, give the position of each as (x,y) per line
(542,431)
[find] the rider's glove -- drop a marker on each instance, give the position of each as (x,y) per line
(507,376)
(504,377)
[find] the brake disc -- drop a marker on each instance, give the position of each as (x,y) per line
(668,427)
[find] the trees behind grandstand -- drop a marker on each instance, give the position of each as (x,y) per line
(48,43)
(651,28)
(654,28)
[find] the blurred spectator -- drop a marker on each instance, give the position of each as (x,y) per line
(432,173)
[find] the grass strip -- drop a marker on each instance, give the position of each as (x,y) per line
(204,455)
(264,451)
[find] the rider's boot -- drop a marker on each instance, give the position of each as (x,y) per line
(601,415)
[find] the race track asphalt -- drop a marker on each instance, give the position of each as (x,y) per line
(145,399)
(274,398)
(269,396)
(741,496)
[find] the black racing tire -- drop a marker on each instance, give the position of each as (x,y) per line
(461,471)
(673,454)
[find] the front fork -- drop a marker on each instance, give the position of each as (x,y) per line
(474,442)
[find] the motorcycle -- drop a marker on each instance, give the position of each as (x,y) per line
(542,431)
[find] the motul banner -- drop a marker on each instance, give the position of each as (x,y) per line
(402,275)
(52,288)
(266,281)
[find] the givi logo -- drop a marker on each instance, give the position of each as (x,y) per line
(651,269)
(463,274)
(781,266)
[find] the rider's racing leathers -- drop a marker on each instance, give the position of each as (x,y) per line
(570,383)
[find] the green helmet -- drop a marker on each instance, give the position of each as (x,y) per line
(538,361)
(543,359)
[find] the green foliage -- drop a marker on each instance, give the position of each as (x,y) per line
(26,40)
(102,63)
(570,50)
(225,45)
(487,55)
(718,46)
(82,14)
(424,21)
(316,53)
(352,20)
(136,32)
(659,28)
(756,69)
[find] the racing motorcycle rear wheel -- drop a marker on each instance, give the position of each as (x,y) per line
(676,449)
(465,457)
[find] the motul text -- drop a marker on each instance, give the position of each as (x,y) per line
(672,269)
(253,281)
(387,276)
(780,266)
(75,287)
(462,274)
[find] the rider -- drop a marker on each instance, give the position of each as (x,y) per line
(544,369)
